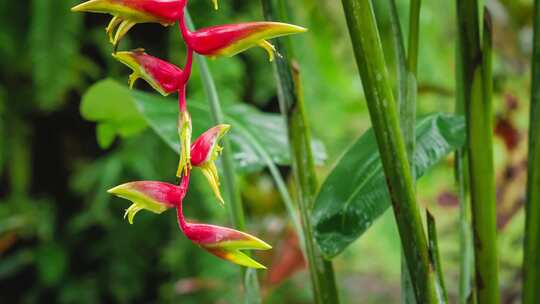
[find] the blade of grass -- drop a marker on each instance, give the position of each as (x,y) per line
(531,261)
(476,77)
(251,283)
(384,117)
(292,106)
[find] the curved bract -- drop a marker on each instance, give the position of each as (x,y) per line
(127,13)
(153,196)
(205,151)
(164,77)
(225,243)
(231,39)
(222,242)
(206,147)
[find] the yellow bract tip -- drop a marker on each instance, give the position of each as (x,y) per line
(210,172)
(91,6)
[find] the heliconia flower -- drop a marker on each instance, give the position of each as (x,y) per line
(222,242)
(127,13)
(205,151)
(229,40)
(225,243)
(164,77)
(153,196)
(185,131)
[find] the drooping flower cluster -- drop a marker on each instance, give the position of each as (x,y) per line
(166,78)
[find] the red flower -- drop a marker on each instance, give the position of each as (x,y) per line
(205,151)
(164,77)
(156,197)
(229,40)
(222,242)
(127,13)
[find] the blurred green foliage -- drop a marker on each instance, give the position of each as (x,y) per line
(62,237)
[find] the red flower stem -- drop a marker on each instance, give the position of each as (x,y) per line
(183,28)
(182,98)
(187,68)
(184,184)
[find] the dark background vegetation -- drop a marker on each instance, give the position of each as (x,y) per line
(63,239)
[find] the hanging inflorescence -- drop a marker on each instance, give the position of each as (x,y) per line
(166,78)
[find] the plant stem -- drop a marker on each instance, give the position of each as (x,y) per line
(414,34)
(461,174)
(233,192)
(306,185)
(384,118)
(476,77)
(531,261)
(407,90)
(408,107)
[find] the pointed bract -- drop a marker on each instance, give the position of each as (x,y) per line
(163,76)
(127,13)
(205,151)
(153,196)
(223,242)
(206,147)
(229,40)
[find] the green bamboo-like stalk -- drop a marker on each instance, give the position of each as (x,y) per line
(475,54)
(306,184)
(234,198)
(461,174)
(384,118)
(531,261)
(406,100)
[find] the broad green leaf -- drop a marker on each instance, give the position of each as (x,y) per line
(355,193)
(110,105)
(54,49)
(269,129)
(105,135)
